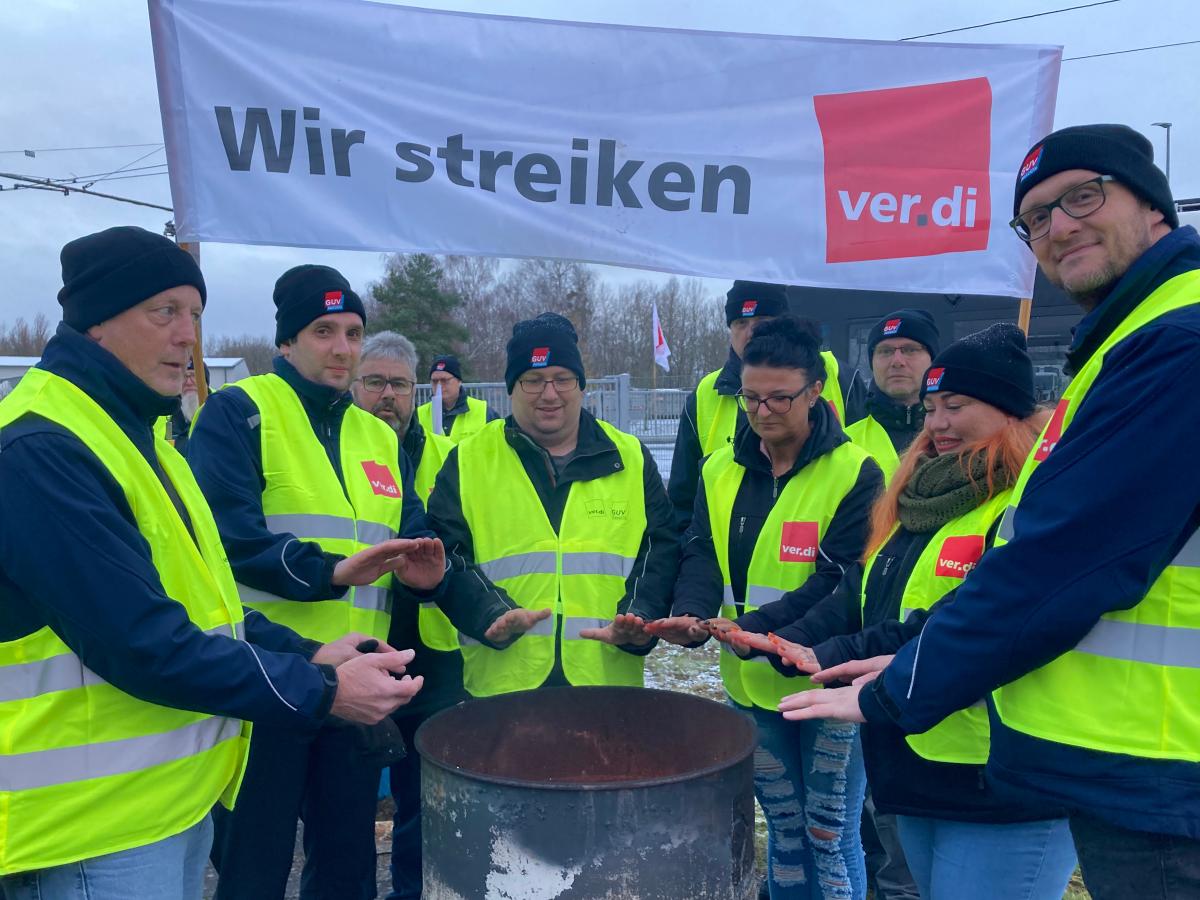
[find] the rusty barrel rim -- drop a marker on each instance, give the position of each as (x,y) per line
(721,713)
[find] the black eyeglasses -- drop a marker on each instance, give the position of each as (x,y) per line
(776,404)
(1078,202)
(563,384)
(376,383)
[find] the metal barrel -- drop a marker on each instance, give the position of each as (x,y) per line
(588,794)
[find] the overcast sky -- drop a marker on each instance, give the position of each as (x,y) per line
(82,74)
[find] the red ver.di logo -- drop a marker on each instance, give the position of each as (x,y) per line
(906,170)
(959,555)
(381,479)
(799,542)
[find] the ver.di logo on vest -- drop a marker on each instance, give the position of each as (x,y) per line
(906,170)
(1053,432)
(381,479)
(959,555)
(799,542)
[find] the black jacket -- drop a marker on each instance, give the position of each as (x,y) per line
(902,782)
(901,422)
(443,670)
(72,558)
(687,456)
(698,591)
(473,603)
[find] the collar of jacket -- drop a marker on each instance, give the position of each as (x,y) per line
(132,403)
(892,415)
(460,405)
(729,382)
(826,435)
(1171,255)
(319,400)
(595,453)
(414,440)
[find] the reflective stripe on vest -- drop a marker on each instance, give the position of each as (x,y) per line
(464,424)
(578,573)
(305,498)
(86,769)
(873,438)
(948,559)
(716,414)
(785,553)
(1141,660)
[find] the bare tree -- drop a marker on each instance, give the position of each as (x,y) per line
(25,338)
(257,351)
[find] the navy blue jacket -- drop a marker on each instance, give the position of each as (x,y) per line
(72,558)
(225,453)
(1100,519)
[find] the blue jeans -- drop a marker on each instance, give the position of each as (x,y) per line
(170,869)
(810,782)
(978,861)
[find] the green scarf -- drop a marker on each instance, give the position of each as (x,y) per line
(943,488)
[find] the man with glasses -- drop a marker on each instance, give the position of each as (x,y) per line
(557,529)
(310,494)
(384,388)
(1083,620)
(900,346)
(462,415)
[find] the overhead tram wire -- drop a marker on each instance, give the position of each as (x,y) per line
(46,184)
(1131,50)
(69,149)
(1049,12)
(123,168)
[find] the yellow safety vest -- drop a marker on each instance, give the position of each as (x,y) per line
(304,497)
(579,572)
(948,558)
(85,768)
(433,455)
(873,438)
(435,629)
(785,554)
(1143,661)
(716,414)
(464,425)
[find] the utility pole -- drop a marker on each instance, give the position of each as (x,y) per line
(1166,126)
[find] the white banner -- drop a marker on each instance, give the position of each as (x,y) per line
(357,125)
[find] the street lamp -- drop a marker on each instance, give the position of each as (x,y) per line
(1167,127)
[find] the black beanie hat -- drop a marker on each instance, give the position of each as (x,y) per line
(110,271)
(755,298)
(914,324)
(446,363)
(990,365)
(305,293)
(1115,150)
(548,340)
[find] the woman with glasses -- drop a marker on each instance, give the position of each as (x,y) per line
(779,515)
(943,507)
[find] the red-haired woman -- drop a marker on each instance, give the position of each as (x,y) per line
(940,512)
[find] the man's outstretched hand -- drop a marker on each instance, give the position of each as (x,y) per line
(514,623)
(366,690)
(417,562)
(625,629)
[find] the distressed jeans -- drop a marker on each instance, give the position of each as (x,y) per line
(810,782)
(170,869)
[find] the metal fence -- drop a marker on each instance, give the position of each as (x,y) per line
(652,415)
